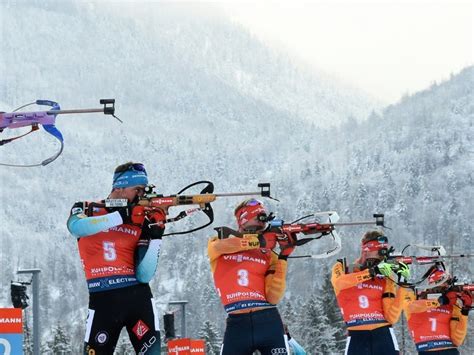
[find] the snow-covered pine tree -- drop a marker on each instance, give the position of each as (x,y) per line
(27,336)
(288,313)
(333,313)
(61,342)
(292,312)
(319,337)
(405,342)
(211,336)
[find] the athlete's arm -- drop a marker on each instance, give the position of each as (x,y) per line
(458,326)
(217,247)
(148,246)
(420,306)
(148,253)
(394,300)
(79,225)
(340,280)
(296,347)
(275,279)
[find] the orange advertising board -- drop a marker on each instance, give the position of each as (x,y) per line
(186,346)
(11,320)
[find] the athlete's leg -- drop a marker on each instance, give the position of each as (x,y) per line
(143,322)
(358,343)
(268,332)
(102,329)
(237,335)
(384,341)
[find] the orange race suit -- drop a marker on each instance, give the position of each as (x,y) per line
(366,302)
(247,277)
(433,326)
(250,281)
(119,259)
(112,254)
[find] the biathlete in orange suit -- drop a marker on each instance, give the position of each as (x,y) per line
(250,280)
(369,300)
(438,326)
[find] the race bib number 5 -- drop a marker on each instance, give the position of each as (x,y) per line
(110,254)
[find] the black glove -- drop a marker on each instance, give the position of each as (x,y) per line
(466,298)
(125,213)
(154,231)
(262,241)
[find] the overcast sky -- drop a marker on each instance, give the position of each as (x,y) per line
(388,48)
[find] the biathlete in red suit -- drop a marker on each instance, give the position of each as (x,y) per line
(250,280)
(369,300)
(438,326)
(119,249)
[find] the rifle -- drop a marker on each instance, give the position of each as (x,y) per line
(292,229)
(422,260)
(435,292)
(47,120)
(435,260)
(153,202)
(456,287)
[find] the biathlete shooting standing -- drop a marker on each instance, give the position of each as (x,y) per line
(250,280)
(368,298)
(119,249)
(438,326)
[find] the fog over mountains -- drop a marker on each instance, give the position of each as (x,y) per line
(201,99)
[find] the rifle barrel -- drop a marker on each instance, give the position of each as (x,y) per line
(239,194)
(84,110)
(353,223)
(427,259)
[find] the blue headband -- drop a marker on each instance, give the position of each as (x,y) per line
(130,178)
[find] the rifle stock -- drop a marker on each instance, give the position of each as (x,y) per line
(153,201)
(165,202)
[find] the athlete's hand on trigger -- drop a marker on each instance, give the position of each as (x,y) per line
(383,268)
(139,213)
(154,224)
(157,216)
(466,298)
(287,244)
(403,270)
